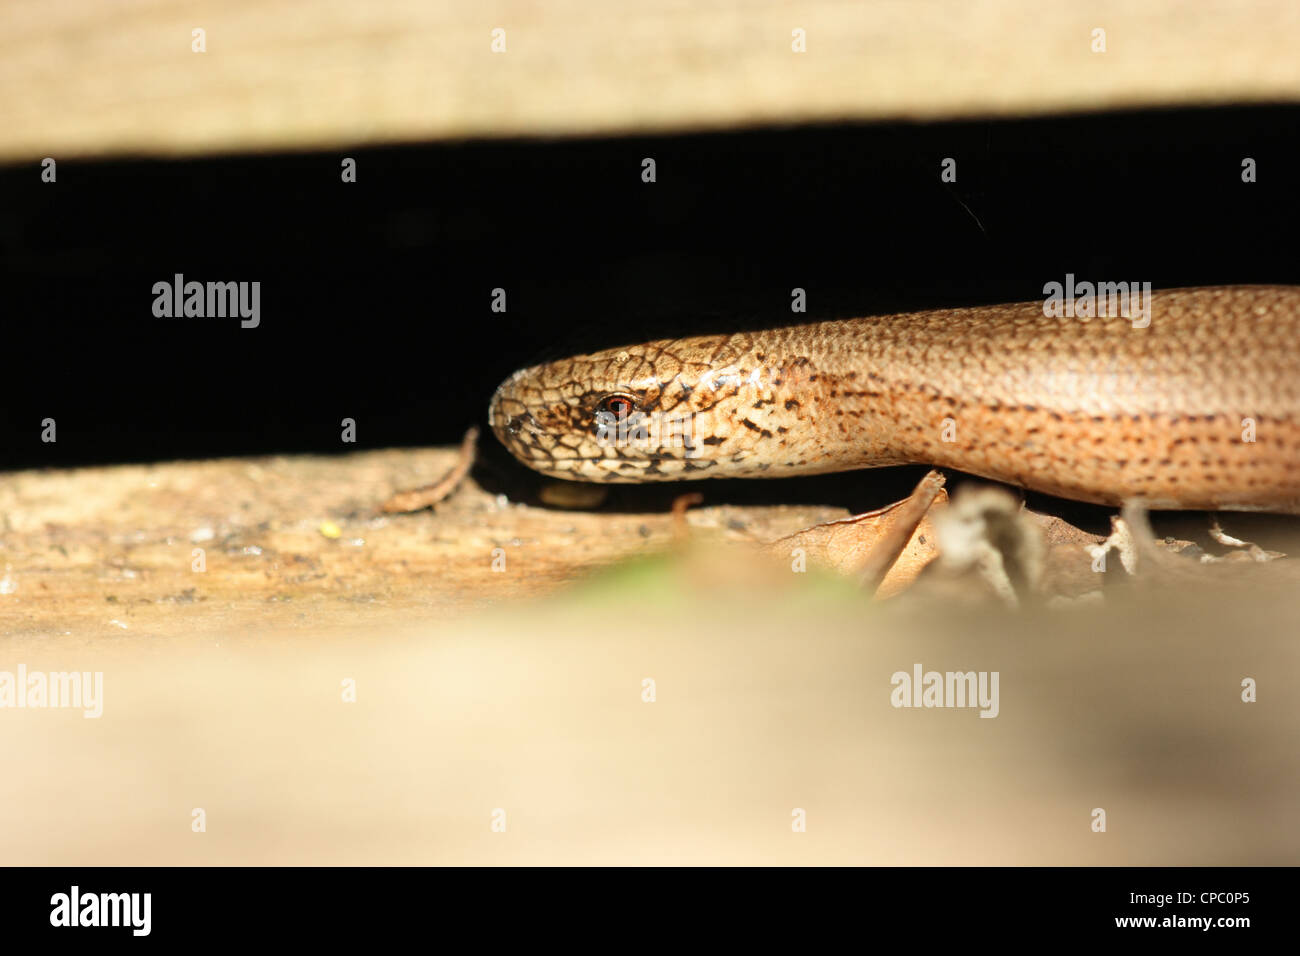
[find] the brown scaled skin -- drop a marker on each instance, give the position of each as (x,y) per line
(1094,409)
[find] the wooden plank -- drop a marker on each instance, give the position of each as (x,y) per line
(298,542)
(81,77)
(770,696)
(222,690)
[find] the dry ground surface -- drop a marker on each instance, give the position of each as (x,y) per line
(521,695)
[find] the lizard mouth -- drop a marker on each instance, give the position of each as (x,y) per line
(558,440)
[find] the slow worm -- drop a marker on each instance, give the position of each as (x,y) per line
(1200,409)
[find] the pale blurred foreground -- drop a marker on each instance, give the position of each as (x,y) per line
(772,694)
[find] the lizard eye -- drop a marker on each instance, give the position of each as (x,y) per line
(617,406)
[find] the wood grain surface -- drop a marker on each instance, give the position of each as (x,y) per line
(81,77)
(299,542)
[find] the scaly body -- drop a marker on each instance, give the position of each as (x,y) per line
(1199,410)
